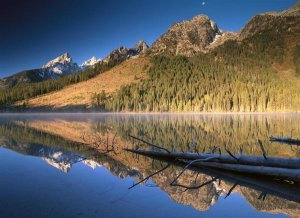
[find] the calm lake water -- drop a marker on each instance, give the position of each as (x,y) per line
(64,165)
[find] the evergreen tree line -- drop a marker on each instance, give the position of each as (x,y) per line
(27,91)
(297,60)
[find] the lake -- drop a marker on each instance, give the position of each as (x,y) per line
(74,165)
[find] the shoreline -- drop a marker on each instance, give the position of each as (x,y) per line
(147,113)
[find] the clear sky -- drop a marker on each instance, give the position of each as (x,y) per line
(32,32)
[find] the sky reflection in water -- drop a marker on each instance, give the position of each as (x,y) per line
(44,180)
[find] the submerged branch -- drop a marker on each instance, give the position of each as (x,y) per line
(148,177)
(147,143)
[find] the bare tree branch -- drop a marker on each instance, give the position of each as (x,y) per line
(147,143)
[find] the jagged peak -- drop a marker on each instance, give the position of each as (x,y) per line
(64,58)
(90,62)
(65,55)
(93,58)
(201,17)
(198,20)
(189,37)
(141,43)
(120,49)
(141,46)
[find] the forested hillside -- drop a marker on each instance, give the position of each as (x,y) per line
(27,91)
(85,94)
(235,77)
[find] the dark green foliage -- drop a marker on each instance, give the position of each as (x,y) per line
(26,91)
(98,100)
(297,60)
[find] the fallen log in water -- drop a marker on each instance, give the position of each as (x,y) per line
(285,140)
(258,166)
(289,163)
(278,176)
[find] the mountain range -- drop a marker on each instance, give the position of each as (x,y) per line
(63,65)
(269,40)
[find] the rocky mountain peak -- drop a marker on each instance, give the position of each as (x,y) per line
(141,46)
(190,37)
(62,65)
(201,18)
(93,60)
(125,53)
(89,63)
(62,59)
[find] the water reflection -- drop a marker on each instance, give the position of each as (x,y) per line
(64,140)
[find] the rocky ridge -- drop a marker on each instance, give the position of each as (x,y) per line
(284,22)
(61,66)
(125,53)
(190,37)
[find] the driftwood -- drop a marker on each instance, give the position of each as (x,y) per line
(278,188)
(279,168)
(270,175)
(290,163)
(285,140)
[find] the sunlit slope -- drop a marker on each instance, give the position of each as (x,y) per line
(79,95)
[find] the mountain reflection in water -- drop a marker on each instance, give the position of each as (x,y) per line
(63,140)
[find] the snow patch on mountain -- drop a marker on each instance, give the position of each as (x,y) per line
(60,66)
(91,163)
(89,63)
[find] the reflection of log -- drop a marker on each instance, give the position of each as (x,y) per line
(274,187)
(283,173)
(285,140)
(290,163)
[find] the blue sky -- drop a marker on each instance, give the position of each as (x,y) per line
(32,32)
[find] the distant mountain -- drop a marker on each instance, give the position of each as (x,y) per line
(191,37)
(89,63)
(26,76)
(125,53)
(61,66)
